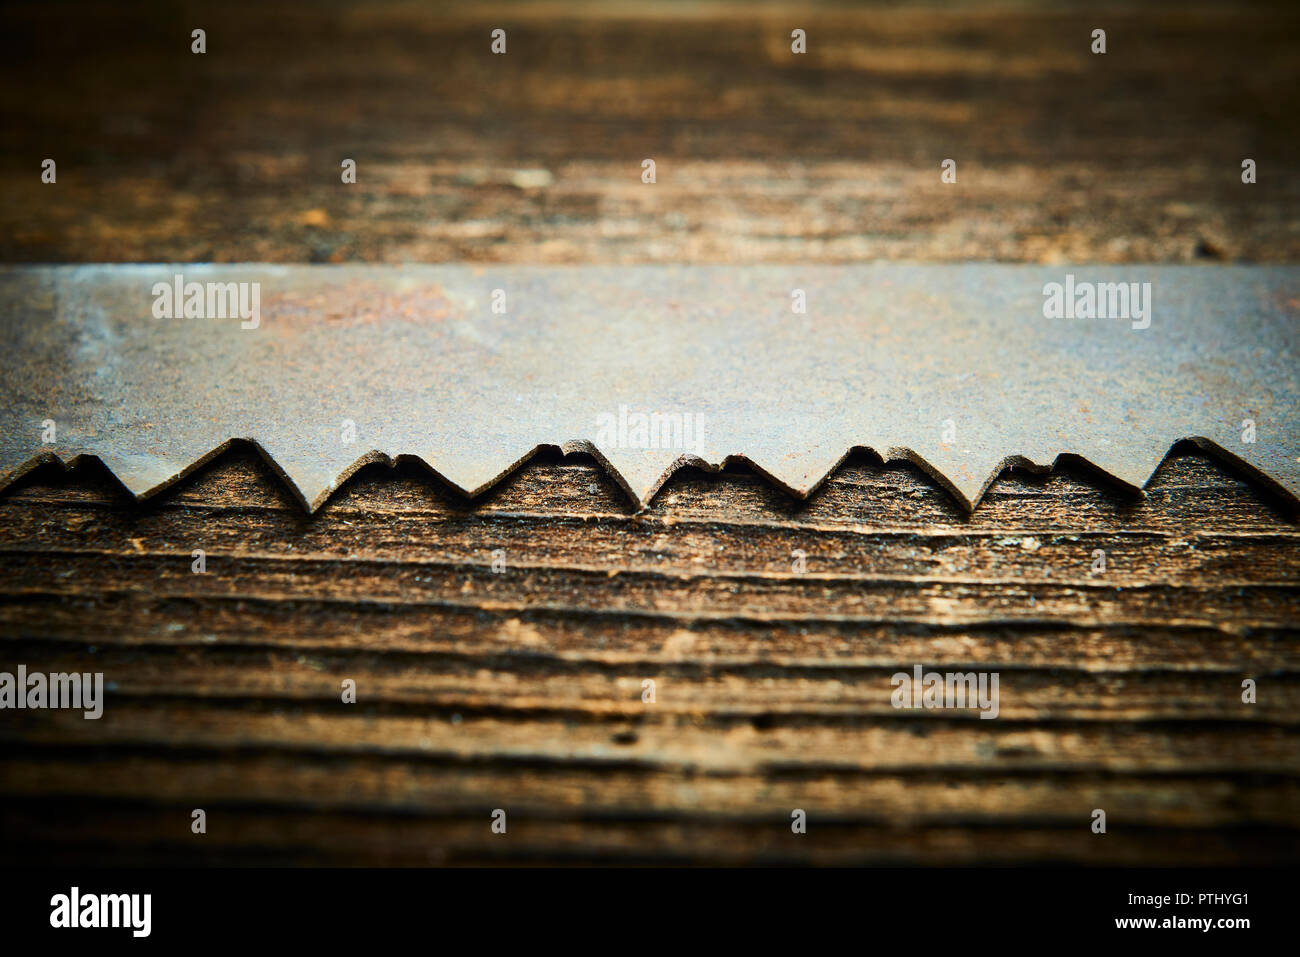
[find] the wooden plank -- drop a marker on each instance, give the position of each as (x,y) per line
(525,688)
(763,156)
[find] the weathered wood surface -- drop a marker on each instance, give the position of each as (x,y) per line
(522,690)
(762,155)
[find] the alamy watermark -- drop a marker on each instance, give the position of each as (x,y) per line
(55,690)
(930,689)
(212,300)
(1098,300)
(75,909)
(650,430)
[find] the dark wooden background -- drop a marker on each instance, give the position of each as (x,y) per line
(522,691)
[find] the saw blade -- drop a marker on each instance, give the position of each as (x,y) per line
(961,369)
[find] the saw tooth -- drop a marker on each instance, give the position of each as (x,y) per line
(962,369)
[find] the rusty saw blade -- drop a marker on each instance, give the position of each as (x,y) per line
(963,370)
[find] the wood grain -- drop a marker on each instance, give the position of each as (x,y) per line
(762,155)
(1119,690)
(522,690)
